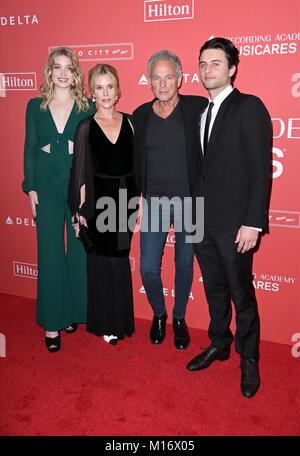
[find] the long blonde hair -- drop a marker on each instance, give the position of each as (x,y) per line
(77,90)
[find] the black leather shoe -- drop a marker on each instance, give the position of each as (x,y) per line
(208,356)
(158,329)
(181,334)
(250,380)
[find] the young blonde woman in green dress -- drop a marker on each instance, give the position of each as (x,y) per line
(51,122)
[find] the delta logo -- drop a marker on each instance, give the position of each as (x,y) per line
(187,78)
(20,221)
(143,80)
(167,292)
(168,10)
(26,19)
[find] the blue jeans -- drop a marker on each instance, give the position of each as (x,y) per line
(152,247)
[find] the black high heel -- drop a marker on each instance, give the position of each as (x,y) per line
(71,328)
(53,343)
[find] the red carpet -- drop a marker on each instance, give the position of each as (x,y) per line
(135,389)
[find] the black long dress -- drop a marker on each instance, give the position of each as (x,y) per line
(106,168)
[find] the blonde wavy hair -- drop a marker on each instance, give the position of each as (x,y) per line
(77,90)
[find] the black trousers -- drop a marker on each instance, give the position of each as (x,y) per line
(227,276)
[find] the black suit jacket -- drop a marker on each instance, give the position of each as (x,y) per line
(191,107)
(234,177)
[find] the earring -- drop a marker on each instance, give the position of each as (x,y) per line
(93,99)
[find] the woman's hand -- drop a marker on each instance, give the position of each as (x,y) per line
(82,221)
(33,199)
(76,222)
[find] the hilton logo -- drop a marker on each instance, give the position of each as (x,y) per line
(18,81)
(27,270)
(2,88)
(94,52)
(168,10)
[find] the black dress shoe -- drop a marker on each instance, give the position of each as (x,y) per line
(250,380)
(208,356)
(158,329)
(181,334)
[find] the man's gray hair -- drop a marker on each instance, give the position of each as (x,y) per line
(164,54)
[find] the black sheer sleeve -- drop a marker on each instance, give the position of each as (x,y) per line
(137,141)
(82,173)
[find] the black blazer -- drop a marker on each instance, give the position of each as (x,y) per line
(234,177)
(192,107)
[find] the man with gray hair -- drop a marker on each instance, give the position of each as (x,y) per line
(164,140)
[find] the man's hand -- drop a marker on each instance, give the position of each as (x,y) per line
(33,199)
(246,238)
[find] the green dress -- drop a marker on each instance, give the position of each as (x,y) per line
(62,288)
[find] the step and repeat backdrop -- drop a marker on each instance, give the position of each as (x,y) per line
(125,33)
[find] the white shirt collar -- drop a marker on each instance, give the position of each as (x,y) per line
(217,103)
(221,97)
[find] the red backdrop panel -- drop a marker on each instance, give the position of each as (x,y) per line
(125,34)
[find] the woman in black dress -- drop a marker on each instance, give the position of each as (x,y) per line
(101,181)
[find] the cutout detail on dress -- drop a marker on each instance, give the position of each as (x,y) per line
(46,148)
(70,147)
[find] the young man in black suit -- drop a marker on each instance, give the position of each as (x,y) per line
(234,179)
